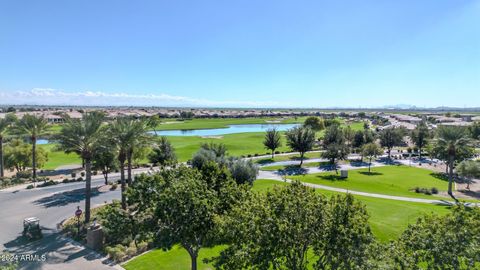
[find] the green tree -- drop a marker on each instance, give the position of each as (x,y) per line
(370,151)
(273,230)
(442,242)
(33,127)
(83,136)
(300,139)
(185,212)
(452,144)
(334,145)
(104,159)
(138,141)
(346,236)
(391,137)
(163,153)
(18,155)
(219,149)
(153,122)
(469,169)
(273,140)
(315,123)
(242,171)
(121,133)
(420,136)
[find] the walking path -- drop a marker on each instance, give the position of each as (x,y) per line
(282,176)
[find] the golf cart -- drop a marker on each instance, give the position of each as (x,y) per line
(31,228)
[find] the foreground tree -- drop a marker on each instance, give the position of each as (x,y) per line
(83,136)
(185,212)
(242,171)
(301,140)
(272,140)
(469,169)
(391,137)
(371,151)
(453,144)
(420,136)
(32,126)
(163,153)
(346,238)
(273,230)
(315,123)
(446,242)
(138,140)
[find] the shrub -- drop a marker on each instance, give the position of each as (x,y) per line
(82,174)
(114,186)
(73,174)
(95,172)
(277,152)
(30,186)
(434,190)
(116,253)
(142,247)
(24,174)
(249,155)
(48,183)
(131,250)
(66,180)
(256,154)
(79,179)
(417,189)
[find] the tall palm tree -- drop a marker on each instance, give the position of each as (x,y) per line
(122,134)
(33,126)
(138,140)
(83,136)
(452,144)
(4,124)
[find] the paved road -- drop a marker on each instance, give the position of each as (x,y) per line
(51,205)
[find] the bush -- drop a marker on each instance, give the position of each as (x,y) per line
(116,253)
(249,155)
(30,186)
(95,172)
(277,152)
(142,247)
(82,174)
(256,154)
(73,174)
(114,186)
(47,183)
(66,180)
(79,179)
(131,250)
(434,190)
(417,189)
(24,174)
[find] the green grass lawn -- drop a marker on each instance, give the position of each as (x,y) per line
(388,218)
(288,157)
(58,158)
(390,180)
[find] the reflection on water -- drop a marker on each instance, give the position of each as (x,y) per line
(228,130)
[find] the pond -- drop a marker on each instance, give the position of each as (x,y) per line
(231,129)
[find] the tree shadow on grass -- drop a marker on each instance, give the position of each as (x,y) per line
(358,163)
(332,177)
(65,198)
(440,176)
(265,161)
(371,173)
(292,170)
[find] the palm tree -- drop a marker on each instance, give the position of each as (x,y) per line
(139,139)
(4,124)
(32,126)
(452,144)
(83,136)
(123,134)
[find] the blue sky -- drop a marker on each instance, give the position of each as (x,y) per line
(247,53)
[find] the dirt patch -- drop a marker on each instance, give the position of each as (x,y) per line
(212,137)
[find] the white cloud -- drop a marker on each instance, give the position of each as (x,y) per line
(47,96)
